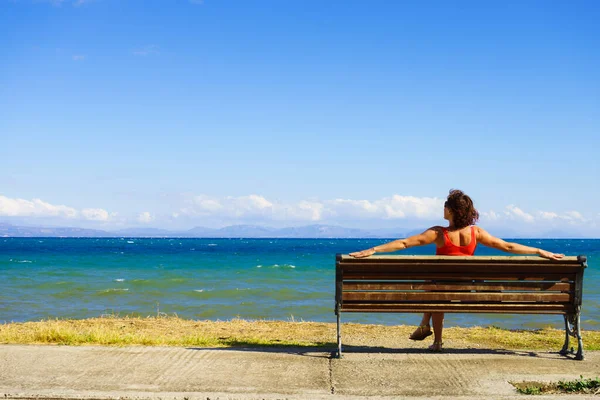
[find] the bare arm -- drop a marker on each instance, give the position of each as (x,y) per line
(421,239)
(486,239)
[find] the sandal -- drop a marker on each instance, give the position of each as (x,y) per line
(436,347)
(421,333)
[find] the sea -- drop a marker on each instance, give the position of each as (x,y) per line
(223,279)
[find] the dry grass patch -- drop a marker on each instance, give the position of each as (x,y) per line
(165,331)
(174,331)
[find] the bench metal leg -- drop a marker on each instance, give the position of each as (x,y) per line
(565,348)
(573,328)
(339,336)
(579,355)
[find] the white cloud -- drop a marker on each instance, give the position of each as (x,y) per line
(34,208)
(310,210)
(548,215)
(569,216)
(252,204)
(204,206)
(347,207)
(38,208)
(574,216)
(419,207)
(542,218)
(95,214)
(145,217)
(207,204)
(490,215)
(394,207)
(146,50)
(515,212)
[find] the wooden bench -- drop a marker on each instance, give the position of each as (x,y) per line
(504,284)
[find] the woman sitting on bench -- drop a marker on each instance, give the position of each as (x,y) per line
(459,238)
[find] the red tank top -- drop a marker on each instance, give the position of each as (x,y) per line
(450,249)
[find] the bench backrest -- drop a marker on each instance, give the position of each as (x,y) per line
(501,284)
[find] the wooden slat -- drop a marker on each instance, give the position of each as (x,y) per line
(461,308)
(441,259)
(460,268)
(509,276)
(455,296)
(465,285)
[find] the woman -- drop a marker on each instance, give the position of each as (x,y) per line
(458,239)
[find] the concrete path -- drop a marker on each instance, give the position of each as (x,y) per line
(95,372)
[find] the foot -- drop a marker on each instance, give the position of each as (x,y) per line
(421,332)
(436,347)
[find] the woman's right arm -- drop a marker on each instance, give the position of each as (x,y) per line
(486,239)
(422,239)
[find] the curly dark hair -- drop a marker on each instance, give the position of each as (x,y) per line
(462,209)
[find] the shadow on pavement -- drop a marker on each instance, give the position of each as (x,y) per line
(349,349)
(328,350)
(312,351)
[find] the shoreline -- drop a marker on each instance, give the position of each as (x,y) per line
(175,331)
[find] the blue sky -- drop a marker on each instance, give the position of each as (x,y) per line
(178,113)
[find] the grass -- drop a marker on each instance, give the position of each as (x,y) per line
(578,386)
(174,331)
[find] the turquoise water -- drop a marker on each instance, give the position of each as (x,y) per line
(219,279)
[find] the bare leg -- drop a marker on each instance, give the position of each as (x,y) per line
(438,325)
(437,320)
(426,318)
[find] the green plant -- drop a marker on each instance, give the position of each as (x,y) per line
(530,390)
(580,385)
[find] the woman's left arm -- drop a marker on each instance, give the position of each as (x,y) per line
(486,239)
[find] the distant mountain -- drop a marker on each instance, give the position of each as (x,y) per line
(247,231)
(243,231)
(7,230)
(323,231)
(256,231)
(233,231)
(142,232)
(199,231)
(396,232)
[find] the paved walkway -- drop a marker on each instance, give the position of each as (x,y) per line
(95,372)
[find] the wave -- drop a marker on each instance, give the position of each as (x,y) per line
(112,291)
(255,294)
(290,266)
